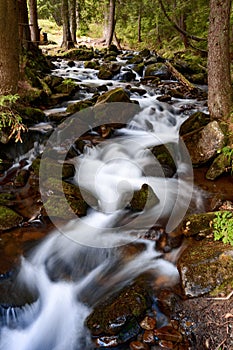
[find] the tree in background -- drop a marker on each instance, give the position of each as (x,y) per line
(34,28)
(24,28)
(67,41)
(111,22)
(9,47)
(73,20)
(219,77)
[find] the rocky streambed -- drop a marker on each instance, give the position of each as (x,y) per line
(150,312)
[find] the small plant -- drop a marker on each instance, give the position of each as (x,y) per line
(223,227)
(227,151)
(9,117)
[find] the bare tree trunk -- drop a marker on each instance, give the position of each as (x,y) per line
(219,78)
(9,47)
(139,22)
(24,30)
(111,22)
(34,28)
(67,40)
(73,20)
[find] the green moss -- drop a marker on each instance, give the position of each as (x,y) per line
(9,218)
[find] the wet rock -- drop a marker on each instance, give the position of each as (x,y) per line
(51,166)
(135,60)
(164,154)
(9,218)
(151,60)
(66,87)
(91,64)
(81,54)
(119,313)
(169,334)
(220,165)
(21,177)
(53,81)
(138,90)
(198,224)
(127,75)
(148,337)
(7,198)
(145,197)
(139,68)
(205,268)
(115,95)
(159,70)
(144,53)
(194,122)
(71,63)
(105,73)
(78,106)
(148,323)
(31,115)
(204,143)
(137,345)
(164,98)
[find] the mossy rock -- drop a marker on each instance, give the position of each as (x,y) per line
(135,60)
(196,121)
(159,70)
(220,165)
(67,86)
(52,81)
(78,106)
(31,115)
(80,54)
(51,166)
(206,268)
(91,65)
(112,315)
(115,95)
(144,198)
(7,198)
(144,53)
(105,73)
(198,224)
(164,154)
(139,68)
(9,218)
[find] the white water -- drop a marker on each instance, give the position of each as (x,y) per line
(69,273)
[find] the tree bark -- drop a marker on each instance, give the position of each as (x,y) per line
(67,42)
(73,20)
(111,22)
(24,31)
(9,47)
(34,28)
(219,77)
(139,22)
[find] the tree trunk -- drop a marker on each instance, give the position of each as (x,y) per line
(219,78)
(9,47)
(67,40)
(111,22)
(34,28)
(24,31)
(139,22)
(73,20)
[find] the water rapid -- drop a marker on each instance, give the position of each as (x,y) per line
(85,260)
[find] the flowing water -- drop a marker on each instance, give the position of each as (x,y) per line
(85,260)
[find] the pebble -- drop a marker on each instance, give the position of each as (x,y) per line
(148,323)
(137,345)
(168,333)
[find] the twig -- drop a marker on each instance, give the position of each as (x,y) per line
(223,298)
(219,345)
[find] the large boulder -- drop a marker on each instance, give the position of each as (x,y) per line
(204,143)
(115,95)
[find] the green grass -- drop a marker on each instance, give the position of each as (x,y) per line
(53,30)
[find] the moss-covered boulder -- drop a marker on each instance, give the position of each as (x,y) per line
(206,268)
(105,73)
(220,165)
(81,54)
(204,143)
(198,224)
(196,121)
(68,86)
(135,60)
(144,198)
(159,70)
(53,81)
(31,115)
(115,95)
(91,64)
(51,166)
(78,106)
(115,314)
(9,218)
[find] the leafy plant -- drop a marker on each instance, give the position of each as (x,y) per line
(223,227)
(9,117)
(227,151)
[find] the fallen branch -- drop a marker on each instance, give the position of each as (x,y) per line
(223,298)
(180,77)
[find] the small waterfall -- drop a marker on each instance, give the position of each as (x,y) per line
(86,259)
